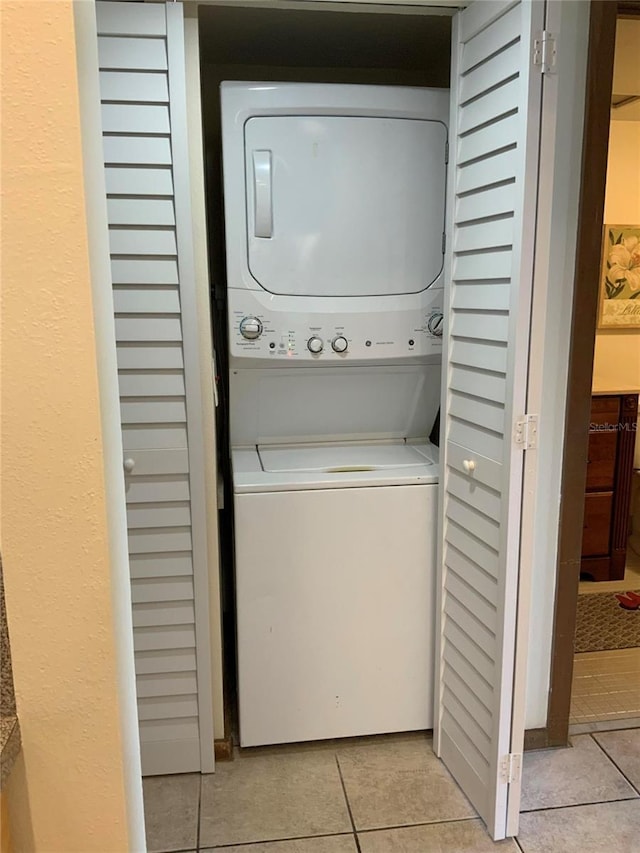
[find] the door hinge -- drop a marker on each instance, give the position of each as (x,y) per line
(525,434)
(444,242)
(545,52)
(446,152)
(511,768)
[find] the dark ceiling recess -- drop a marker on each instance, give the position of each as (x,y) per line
(311,39)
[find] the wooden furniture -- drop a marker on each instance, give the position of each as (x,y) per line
(612,434)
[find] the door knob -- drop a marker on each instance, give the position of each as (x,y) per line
(469,465)
(129,464)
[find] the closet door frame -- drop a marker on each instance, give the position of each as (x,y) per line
(600,57)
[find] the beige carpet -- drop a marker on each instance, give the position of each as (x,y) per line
(603,624)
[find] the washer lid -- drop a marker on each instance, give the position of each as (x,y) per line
(342,458)
(344,205)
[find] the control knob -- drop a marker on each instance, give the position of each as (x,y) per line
(339,344)
(435,324)
(315,344)
(250,328)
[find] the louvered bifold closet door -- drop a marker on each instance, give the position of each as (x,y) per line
(496,97)
(142,88)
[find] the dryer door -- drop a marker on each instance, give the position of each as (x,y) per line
(345,206)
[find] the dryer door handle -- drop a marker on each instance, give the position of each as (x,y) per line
(262,209)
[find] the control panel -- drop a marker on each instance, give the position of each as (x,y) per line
(327,338)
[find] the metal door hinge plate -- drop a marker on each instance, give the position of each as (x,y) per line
(511,768)
(525,434)
(545,52)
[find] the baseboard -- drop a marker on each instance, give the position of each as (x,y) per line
(536,739)
(223,749)
(543,738)
(5,837)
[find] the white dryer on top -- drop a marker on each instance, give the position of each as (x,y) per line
(334,217)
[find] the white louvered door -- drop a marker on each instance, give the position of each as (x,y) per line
(142,87)
(495,119)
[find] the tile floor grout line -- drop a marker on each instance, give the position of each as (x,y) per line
(188,849)
(619,769)
(422,823)
(180,850)
(277,840)
(199,812)
(348,804)
(517,843)
(580,805)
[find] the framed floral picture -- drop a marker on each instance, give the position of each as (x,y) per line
(620,284)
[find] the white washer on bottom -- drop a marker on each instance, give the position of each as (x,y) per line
(335,575)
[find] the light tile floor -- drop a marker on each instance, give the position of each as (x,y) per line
(391,795)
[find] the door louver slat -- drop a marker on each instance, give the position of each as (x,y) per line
(143,156)
(492,197)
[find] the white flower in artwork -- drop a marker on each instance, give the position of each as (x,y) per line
(624,263)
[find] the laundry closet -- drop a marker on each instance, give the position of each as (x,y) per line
(332,297)
(371,237)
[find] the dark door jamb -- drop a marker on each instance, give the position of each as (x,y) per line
(602,28)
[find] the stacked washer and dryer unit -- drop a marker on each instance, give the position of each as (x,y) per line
(334,218)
